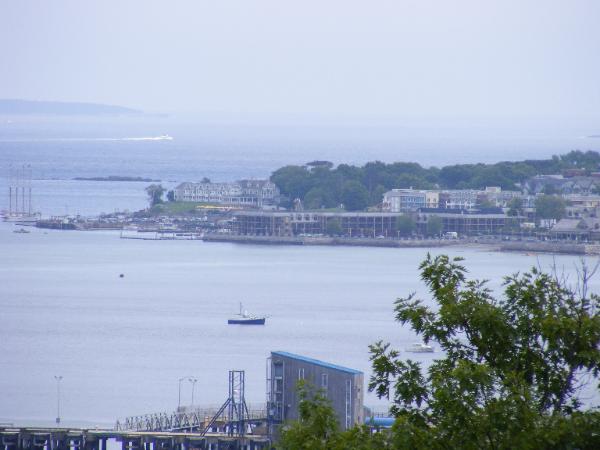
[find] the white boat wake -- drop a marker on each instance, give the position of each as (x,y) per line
(163,137)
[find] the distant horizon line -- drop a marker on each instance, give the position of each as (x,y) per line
(87,108)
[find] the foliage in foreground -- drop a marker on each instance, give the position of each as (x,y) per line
(317,427)
(511,376)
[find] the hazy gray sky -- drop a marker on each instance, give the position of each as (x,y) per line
(391,58)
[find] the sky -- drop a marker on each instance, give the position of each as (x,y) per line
(400,58)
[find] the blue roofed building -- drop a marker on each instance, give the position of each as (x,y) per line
(341,385)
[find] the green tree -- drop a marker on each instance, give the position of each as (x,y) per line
(376,196)
(515,206)
(510,369)
(405,225)
(317,424)
(317,427)
(550,207)
(355,196)
(434,226)
(293,181)
(317,198)
(334,227)
(155,193)
(171,196)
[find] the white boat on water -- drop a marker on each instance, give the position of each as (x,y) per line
(20,217)
(419,347)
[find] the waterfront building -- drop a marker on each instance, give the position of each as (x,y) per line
(410,200)
(474,198)
(582,206)
(582,229)
(407,200)
(245,193)
(459,199)
(342,386)
(366,224)
(297,223)
(497,197)
(469,222)
(432,199)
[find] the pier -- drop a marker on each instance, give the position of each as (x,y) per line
(31,438)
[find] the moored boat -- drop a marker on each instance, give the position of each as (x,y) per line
(244,318)
(419,347)
(20,217)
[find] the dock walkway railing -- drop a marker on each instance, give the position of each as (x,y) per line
(188,418)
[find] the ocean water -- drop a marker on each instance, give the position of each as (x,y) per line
(121,344)
(60,149)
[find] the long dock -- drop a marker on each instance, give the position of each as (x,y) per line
(32,438)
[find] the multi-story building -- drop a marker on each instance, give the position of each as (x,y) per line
(497,196)
(459,199)
(469,223)
(250,193)
(410,200)
(288,223)
(341,385)
(405,200)
(582,206)
(366,224)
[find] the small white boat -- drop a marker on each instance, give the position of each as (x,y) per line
(22,230)
(419,347)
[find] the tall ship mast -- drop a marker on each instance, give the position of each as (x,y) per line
(19,195)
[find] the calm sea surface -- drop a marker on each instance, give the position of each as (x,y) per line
(121,344)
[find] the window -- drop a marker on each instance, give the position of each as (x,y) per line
(278,384)
(301,373)
(348,398)
(324,380)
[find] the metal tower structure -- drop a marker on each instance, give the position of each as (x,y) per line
(237,410)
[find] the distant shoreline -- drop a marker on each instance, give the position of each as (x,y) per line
(116,178)
(497,246)
(20,107)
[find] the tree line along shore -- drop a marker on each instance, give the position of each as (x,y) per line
(321,185)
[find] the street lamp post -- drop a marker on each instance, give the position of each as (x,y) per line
(193,381)
(58,378)
(179,394)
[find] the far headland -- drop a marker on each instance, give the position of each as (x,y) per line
(53,108)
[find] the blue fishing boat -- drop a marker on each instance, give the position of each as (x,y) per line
(244,318)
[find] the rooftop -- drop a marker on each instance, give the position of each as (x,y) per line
(316,362)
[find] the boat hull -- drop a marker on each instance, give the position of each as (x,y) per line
(257,321)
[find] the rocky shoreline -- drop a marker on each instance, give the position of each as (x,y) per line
(502,246)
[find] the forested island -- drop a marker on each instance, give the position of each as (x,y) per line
(319,184)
